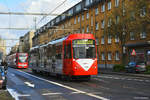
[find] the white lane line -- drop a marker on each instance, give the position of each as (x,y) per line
(117,78)
(67,87)
(16,95)
(69,93)
(75,92)
(147,81)
(52,93)
(141,80)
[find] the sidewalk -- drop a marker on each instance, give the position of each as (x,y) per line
(4,95)
(110,71)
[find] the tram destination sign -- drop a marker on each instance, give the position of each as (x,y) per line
(85,41)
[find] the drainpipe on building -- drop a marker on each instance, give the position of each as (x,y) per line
(105,47)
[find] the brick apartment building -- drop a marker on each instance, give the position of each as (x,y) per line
(92,16)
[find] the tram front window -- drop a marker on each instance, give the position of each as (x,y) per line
(84,49)
(22,58)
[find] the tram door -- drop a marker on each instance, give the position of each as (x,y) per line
(67,58)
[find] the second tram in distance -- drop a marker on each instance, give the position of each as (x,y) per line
(73,56)
(18,60)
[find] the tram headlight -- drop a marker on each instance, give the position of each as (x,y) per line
(95,67)
(75,67)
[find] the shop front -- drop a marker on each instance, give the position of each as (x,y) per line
(139,52)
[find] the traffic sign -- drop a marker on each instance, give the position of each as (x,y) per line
(133,53)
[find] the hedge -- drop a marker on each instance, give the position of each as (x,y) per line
(118,68)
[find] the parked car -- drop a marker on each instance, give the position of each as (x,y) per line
(3,78)
(136,67)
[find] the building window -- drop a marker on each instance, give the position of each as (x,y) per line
(91,20)
(87,28)
(124,30)
(143,12)
(83,30)
(117,55)
(82,17)
(102,40)
(103,8)
(88,2)
(78,19)
(132,36)
(87,15)
(116,39)
(63,17)
(116,3)
(117,19)
(102,24)
(75,20)
(109,56)
(109,22)
(70,12)
(109,5)
(143,35)
(69,23)
(124,49)
(123,7)
(78,7)
(91,31)
(109,39)
(103,55)
(63,26)
(96,11)
(96,26)
(132,15)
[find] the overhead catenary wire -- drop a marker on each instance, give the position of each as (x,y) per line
(31,13)
(52,11)
(33,29)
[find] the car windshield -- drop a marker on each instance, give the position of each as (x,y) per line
(132,64)
(140,63)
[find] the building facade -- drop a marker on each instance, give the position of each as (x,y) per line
(90,16)
(25,42)
(2,48)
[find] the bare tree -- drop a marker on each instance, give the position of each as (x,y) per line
(131,16)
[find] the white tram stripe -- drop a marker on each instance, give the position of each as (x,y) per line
(67,87)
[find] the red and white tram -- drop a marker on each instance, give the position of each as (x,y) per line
(18,60)
(74,55)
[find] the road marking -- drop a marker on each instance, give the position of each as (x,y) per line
(116,78)
(12,74)
(75,92)
(129,79)
(16,95)
(67,87)
(29,84)
(51,93)
(60,93)
(147,80)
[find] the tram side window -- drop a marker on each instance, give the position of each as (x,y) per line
(67,51)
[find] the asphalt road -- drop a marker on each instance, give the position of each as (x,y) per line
(29,86)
